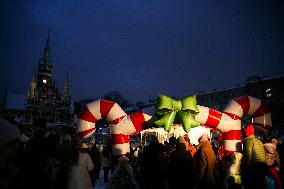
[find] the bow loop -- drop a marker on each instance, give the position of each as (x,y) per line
(164,104)
(189,104)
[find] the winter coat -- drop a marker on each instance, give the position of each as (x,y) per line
(123,176)
(253,152)
(206,166)
(180,167)
(253,166)
(79,177)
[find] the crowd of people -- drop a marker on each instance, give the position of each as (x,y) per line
(179,164)
(50,161)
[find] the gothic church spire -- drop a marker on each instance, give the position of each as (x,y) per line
(66,92)
(45,64)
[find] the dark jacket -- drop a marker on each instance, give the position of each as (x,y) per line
(206,166)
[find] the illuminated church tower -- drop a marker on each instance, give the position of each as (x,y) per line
(44,99)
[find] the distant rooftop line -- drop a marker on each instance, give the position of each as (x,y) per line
(239,85)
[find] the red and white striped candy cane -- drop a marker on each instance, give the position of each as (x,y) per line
(229,122)
(121,125)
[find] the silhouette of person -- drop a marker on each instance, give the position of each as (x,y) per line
(181,172)
(206,165)
(253,166)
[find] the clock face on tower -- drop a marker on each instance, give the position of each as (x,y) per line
(44,81)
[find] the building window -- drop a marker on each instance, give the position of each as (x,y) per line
(268,92)
(213,97)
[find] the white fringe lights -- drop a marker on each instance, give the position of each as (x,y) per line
(121,125)
(164,136)
(177,130)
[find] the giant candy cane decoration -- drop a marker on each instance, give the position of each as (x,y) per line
(229,122)
(121,125)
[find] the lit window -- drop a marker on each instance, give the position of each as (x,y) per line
(44,81)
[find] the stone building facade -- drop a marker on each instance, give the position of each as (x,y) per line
(269,90)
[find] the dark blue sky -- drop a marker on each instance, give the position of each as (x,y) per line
(142,47)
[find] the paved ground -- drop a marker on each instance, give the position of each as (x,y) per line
(100,183)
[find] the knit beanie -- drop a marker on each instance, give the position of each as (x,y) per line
(248,130)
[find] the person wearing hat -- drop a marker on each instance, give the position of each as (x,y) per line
(253,165)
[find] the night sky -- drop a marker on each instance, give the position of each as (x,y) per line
(142,47)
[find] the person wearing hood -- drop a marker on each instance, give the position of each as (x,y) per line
(206,165)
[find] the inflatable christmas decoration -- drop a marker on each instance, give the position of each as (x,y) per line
(121,125)
(186,112)
(229,122)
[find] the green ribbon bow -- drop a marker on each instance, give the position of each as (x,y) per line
(184,109)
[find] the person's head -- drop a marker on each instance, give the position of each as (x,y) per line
(182,139)
(187,139)
(203,138)
(274,141)
(180,146)
(248,131)
(84,146)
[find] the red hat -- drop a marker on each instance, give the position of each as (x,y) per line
(248,130)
